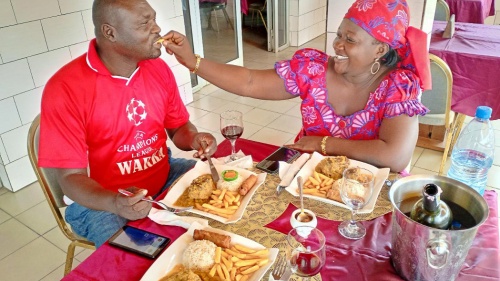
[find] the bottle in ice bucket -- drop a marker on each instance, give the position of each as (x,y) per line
(430,210)
(473,153)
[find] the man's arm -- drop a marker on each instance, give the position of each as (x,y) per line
(79,187)
(186,137)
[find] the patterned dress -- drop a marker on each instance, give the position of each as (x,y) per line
(305,76)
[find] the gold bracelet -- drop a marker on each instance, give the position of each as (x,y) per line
(323,145)
(198,59)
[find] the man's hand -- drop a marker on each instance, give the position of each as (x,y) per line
(211,145)
(132,207)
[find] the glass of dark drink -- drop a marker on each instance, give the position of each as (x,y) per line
(231,127)
(306,251)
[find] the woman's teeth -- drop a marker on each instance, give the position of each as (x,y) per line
(339,57)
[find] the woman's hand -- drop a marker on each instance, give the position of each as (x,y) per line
(178,45)
(307,144)
(211,145)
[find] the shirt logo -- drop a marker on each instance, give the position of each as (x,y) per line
(136,112)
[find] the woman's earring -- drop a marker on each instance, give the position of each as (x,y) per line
(377,65)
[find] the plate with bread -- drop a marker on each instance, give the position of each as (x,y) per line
(323,178)
(224,201)
(210,254)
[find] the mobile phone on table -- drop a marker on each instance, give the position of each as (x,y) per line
(139,241)
(271,163)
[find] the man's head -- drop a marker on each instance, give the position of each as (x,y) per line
(127,28)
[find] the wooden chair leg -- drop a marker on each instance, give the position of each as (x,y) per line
(69,258)
(449,136)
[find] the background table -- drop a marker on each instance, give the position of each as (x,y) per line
(473,55)
(473,11)
(346,257)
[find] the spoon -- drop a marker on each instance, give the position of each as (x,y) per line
(302,216)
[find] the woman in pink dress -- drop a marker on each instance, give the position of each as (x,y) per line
(362,103)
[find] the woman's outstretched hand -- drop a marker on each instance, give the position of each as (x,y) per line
(178,45)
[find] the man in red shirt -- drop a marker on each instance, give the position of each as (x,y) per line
(105,119)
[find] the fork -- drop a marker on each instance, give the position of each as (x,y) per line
(279,268)
(161,204)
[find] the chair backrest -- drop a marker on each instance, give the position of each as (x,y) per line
(47,179)
(438,100)
(442,11)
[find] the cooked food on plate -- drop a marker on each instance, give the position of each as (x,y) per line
(326,182)
(203,260)
(222,198)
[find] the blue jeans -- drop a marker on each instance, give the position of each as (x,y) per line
(99,226)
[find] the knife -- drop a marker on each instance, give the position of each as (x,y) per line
(213,171)
(292,171)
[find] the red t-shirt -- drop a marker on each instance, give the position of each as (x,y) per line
(113,125)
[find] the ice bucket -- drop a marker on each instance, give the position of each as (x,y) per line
(422,253)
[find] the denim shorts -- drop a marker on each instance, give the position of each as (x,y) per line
(99,226)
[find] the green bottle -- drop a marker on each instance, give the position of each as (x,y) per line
(430,210)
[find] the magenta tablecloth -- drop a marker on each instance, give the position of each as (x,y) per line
(473,55)
(473,11)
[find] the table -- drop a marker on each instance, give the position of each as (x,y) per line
(473,55)
(267,217)
(473,11)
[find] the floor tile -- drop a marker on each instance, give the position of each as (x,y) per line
(222,94)
(416,154)
(272,136)
(287,124)
(58,239)
(15,203)
(420,171)
(39,218)
(249,101)
(260,117)
(229,105)
(278,106)
(4,216)
(250,129)
(494,177)
(3,190)
(210,121)
(295,111)
(58,273)
(208,103)
(429,160)
(84,254)
(196,113)
(24,265)
(14,235)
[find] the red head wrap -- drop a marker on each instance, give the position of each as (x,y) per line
(388,22)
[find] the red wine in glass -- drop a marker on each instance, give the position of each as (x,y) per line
(308,264)
(232,132)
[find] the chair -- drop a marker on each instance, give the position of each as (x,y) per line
(260,9)
(442,11)
(438,101)
(54,195)
(210,7)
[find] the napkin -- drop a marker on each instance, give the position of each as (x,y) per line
(288,171)
(244,162)
(165,217)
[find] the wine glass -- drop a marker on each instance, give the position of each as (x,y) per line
(231,127)
(356,191)
(305,251)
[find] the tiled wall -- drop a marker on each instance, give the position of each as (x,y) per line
(37,37)
(421,11)
(307,20)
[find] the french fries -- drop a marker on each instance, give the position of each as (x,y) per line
(223,203)
(238,263)
(318,185)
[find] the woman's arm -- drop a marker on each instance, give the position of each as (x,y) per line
(393,149)
(260,84)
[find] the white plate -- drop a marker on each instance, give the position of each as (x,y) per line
(203,168)
(173,254)
(307,170)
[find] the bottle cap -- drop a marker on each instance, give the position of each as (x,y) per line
(483,112)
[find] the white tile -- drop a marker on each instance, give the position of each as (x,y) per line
(83,255)
(4,178)
(15,142)
(271,136)
(430,160)
(15,78)
(181,74)
(43,66)
(58,273)
(39,218)
(494,177)
(3,215)
(28,104)
(24,265)
(14,236)
(89,25)
(4,158)
(421,171)
(260,117)
(29,10)
(281,106)
(8,115)
(208,103)
(164,9)
(195,113)
(294,23)
(210,121)
(71,25)
(287,124)
(13,43)
(56,237)
(178,7)
(78,49)
(69,6)
(6,13)
(20,173)
(294,7)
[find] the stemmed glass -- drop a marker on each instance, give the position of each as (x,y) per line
(305,251)
(356,191)
(231,127)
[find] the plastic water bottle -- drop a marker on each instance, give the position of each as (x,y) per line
(473,153)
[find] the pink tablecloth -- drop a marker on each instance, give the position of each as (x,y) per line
(473,11)
(473,55)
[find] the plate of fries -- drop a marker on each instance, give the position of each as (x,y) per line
(317,184)
(244,260)
(225,206)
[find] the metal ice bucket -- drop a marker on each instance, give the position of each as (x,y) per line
(422,253)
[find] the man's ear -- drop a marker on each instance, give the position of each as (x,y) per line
(108,32)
